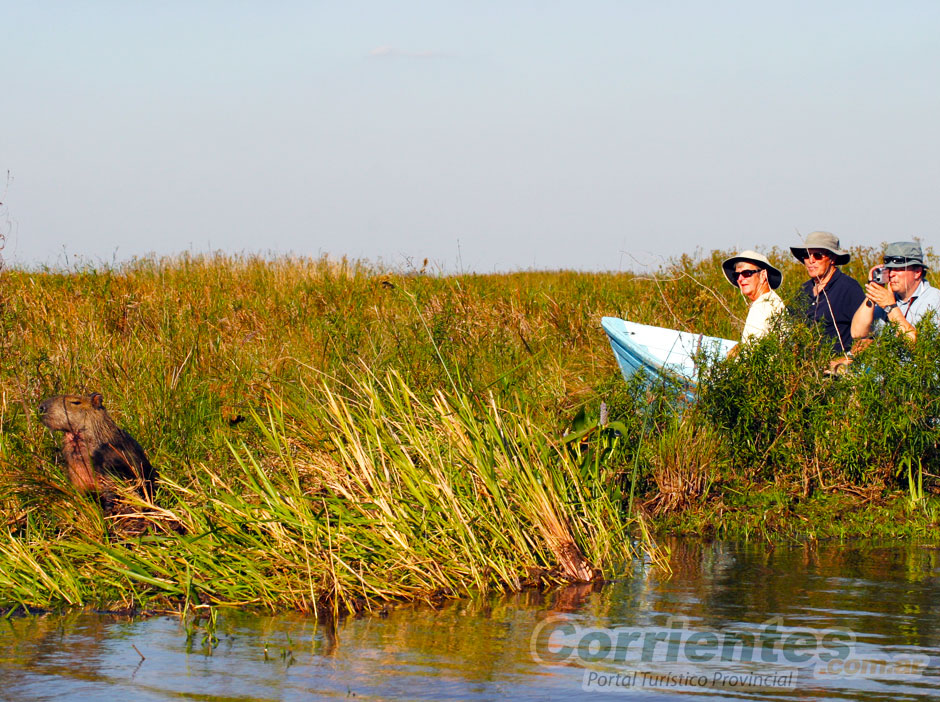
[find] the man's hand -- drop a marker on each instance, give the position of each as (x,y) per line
(839,366)
(879,295)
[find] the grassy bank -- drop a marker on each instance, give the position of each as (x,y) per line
(336,436)
(328,435)
(347,502)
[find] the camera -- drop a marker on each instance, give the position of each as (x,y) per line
(880,275)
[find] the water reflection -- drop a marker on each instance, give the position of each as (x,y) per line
(481,649)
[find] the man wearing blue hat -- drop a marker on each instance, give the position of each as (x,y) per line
(905,296)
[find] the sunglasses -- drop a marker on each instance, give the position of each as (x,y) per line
(815,255)
(745,274)
(897,260)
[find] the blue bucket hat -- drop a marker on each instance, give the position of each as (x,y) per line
(900,254)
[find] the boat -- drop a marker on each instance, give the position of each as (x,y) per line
(660,353)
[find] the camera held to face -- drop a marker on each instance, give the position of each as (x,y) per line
(880,275)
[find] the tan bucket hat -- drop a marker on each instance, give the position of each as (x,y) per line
(822,240)
(774,276)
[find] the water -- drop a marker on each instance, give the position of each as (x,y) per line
(852,603)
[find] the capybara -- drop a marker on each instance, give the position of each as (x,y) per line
(99,455)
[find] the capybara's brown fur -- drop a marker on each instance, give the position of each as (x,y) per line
(99,455)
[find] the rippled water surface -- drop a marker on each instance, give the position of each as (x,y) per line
(809,622)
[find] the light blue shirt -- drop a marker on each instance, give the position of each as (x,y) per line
(924,299)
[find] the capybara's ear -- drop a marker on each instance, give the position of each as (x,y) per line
(97,401)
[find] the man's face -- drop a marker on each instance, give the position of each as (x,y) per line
(750,279)
(904,281)
(817,262)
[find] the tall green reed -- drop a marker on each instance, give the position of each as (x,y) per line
(359,495)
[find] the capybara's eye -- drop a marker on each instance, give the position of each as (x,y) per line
(75,402)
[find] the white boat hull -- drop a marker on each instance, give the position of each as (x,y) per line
(658,352)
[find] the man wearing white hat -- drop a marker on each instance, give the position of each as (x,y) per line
(757,279)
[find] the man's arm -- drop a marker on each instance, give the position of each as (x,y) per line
(882,297)
(904,327)
(863,319)
(864,316)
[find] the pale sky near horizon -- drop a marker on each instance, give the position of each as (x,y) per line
(484,136)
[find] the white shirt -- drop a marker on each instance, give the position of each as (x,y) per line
(759,314)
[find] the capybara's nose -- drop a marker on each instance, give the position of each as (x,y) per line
(44,405)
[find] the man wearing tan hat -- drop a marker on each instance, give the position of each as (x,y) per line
(831,296)
(752,273)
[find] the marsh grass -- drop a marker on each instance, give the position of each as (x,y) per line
(685,461)
(332,437)
(361,498)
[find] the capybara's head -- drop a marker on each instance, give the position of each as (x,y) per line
(72,413)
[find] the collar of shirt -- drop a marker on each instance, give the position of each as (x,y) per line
(811,283)
(917,293)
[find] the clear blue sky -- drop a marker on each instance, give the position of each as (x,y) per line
(490,136)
